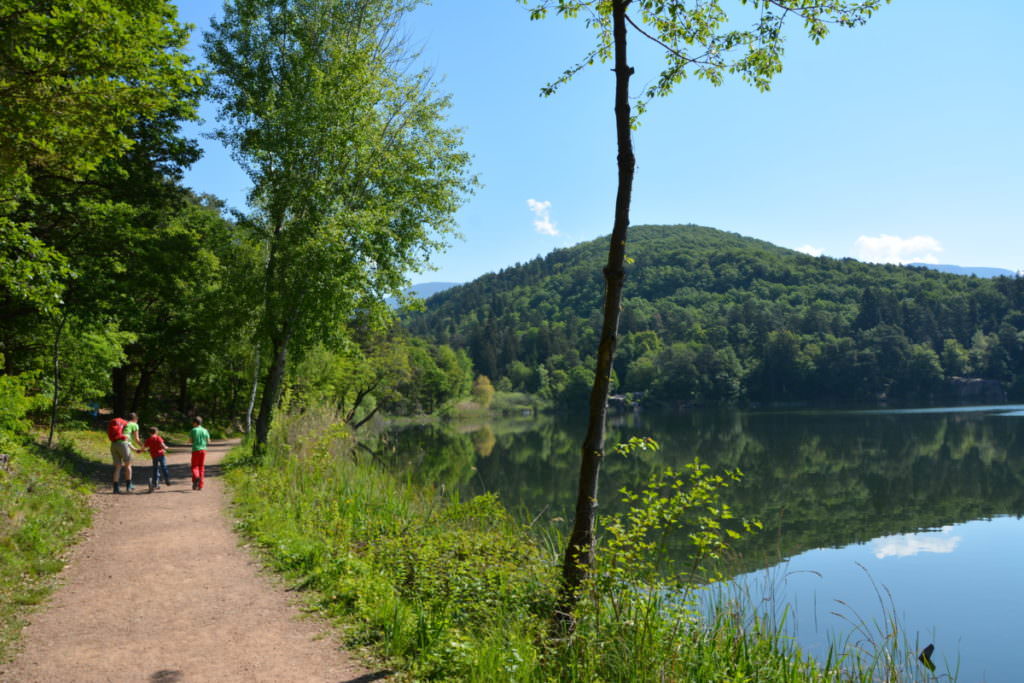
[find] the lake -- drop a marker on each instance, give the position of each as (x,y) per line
(866,513)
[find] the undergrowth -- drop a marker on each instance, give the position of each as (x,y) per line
(43,506)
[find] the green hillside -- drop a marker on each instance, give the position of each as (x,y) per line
(712,316)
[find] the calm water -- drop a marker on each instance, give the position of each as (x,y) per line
(923,505)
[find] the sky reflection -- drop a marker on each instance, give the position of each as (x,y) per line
(968,602)
(908,545)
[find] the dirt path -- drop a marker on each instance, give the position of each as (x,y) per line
(160,590)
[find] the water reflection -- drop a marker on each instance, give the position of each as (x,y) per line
(908,545)
(957,587)
(816,479)
(922,505)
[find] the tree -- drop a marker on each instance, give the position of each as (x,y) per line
(93,95)
(483,391)
(698,40)
(74,77)
(355,177)
(955,358)
(135,260)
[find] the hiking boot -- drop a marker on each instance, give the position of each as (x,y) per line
(195,484)
(117,488)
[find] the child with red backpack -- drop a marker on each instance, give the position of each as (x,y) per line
(120,432)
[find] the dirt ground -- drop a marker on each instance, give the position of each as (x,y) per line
(160,590)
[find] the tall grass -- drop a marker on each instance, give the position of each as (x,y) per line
(42,508)
(446,589)
(441,588)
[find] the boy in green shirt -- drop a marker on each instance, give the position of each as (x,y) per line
(131,437)
(200,437)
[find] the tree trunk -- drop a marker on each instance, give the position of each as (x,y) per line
(271,388)
(183,398)
(231,409)
(252,394)
(119,386)
(278,345)
(56,377)
(579,553)
(141,399)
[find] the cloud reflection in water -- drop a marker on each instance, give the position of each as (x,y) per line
(907,545)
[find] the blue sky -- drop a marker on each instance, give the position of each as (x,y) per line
(898,141)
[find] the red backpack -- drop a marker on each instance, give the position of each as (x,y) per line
(115,429)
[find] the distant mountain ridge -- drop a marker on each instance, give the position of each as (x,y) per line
(425,290)
(980,271)
(709,315)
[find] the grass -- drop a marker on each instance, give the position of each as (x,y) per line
(440,588)
(516,403)
(43,506)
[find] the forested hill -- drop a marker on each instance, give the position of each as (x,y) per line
(714,316)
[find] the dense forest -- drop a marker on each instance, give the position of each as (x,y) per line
(712,316)
(122,288)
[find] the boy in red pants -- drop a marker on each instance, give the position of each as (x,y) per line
(200,437)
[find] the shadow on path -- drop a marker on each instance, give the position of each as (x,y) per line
(376,676)
(102,474)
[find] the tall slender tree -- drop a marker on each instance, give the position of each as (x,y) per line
(697,38)
(355,176)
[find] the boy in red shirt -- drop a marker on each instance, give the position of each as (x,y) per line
(157,451)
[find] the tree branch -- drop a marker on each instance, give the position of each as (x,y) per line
(666,46)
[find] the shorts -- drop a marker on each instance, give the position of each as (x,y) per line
(121,452)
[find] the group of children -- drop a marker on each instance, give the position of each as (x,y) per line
(123,431)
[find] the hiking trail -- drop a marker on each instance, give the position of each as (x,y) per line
(159,589)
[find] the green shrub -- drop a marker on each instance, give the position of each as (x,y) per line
(14,404)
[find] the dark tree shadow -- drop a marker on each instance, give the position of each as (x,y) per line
(375,676)
(101,473)
(74,462)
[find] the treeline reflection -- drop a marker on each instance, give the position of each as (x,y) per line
(815,479)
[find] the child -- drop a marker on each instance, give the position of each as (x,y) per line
(200,437)
(121,452)
(134,445)
(157,451)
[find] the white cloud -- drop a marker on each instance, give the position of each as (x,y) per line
(906,545)
(892,249)
(542,217)
(811,250)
